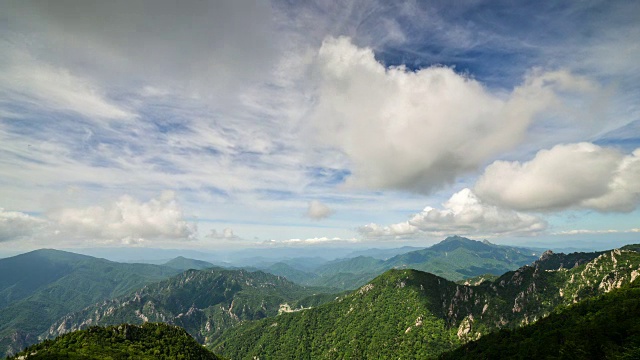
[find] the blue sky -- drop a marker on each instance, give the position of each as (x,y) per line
(218,125)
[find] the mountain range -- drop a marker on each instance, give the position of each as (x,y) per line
(413,314)
(455,258)
(39,287)
(398,310)
(204,302)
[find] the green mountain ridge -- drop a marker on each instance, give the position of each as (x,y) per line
(204,302)
(147,342)
(413,314)
(47,284)
(182,263)
(455,258)
(605,327)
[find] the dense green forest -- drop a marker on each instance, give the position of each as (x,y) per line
(48,284)
(402,313)
(204,302)
(147,342)
(409,313)
(605,327)
(388,318)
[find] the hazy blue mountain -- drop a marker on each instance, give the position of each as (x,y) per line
(291,273)
(455,258)
(39,287)
(147,255)
(383,254)
(183,263)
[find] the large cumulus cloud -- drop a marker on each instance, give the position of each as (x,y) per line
(420,130)
(127,220)
(462,214)
(581,175)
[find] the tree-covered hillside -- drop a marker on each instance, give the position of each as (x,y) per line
(204,302)
(605,327)
(182,263)
(146,342)
(41,286)
(408,313)
(391,317)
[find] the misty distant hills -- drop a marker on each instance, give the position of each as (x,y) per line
(454,258)
(182,263)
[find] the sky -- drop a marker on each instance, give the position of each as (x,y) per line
(247,124)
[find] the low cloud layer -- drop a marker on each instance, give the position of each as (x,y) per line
(463,214)
(596,232)
(581,175)
(420,130)
(226,234)
(309,241)
(318,210)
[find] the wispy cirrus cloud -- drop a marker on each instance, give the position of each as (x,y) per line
(26,82)
(249,111)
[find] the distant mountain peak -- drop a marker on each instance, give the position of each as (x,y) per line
(453,242)
(546,255)
(456,238)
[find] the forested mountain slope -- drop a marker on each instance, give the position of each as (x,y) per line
(204,302)
(605,327)
(146,342)
(39,287)
(182,263)
(409,313)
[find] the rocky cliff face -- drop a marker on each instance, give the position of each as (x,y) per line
(532,292)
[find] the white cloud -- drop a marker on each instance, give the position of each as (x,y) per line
(581,175)
(590,232)
(27,81)
(309,241)
(127,220)
(463,214)
(227,234)
(15,225)
(318,210)
(201,46)
(420,130)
